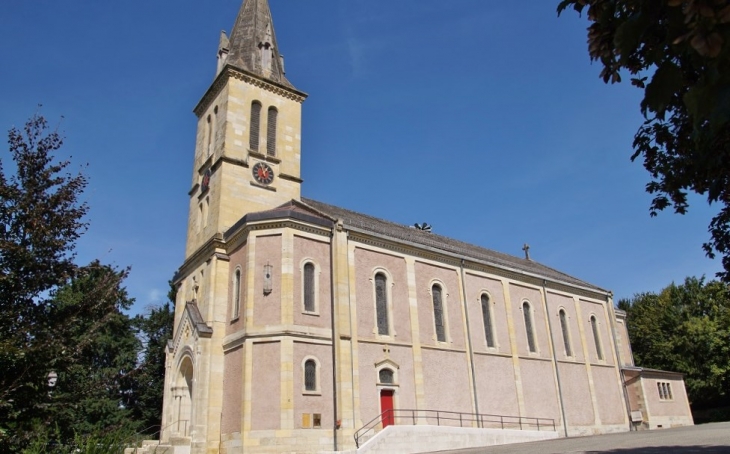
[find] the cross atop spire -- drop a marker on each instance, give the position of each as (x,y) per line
(252,43)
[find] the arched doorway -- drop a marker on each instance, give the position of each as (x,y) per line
(183,393)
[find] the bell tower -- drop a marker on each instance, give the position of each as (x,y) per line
(247,152)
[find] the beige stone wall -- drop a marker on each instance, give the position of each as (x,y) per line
(496,385)
(541,397)
(608,395)
(319,401)
(446,381)
(577,399)
(238,260)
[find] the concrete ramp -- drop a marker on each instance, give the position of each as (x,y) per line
(417,439)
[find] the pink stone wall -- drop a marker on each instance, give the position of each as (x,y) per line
(609,395)
(627,358)
(454,322)
(371,354)
(577,402)
(496,388)
(555,304)
(446,381)
(475,286)
(365,264)
(232,390)
(267,308)
(266,386)
(319,253)
(305,401)
(518,294)
(238,258)
(677,406)
(588,309)
(538,389)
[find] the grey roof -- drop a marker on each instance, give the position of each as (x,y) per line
(468,251)
(253,27)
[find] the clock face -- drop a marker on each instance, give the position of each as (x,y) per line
(262,173)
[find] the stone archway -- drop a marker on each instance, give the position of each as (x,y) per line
(182,392)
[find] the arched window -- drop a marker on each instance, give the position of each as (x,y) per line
(381,303)
(596,337)
(308,276)
(236,293)
(438,313)
(385,376)
(528,326)
(310,375)
(564,328)
(209,138)
(253,138)
(271,132)
(487,318)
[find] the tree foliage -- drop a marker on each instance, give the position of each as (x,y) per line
(685,328)
(678,53)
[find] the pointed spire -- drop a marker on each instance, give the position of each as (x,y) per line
(252,43)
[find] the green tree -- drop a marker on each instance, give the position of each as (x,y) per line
(155,329)
(685,328)
(678,52)
(41,217)
(94,391)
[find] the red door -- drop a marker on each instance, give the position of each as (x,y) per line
(386,407)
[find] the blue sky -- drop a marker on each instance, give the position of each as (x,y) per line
(484,118)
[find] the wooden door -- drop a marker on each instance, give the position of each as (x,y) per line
(386,407)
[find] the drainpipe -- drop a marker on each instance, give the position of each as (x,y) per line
(334,337)
(612,314)
(555,359)
(468,341)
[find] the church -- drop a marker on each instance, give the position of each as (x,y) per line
(306,327)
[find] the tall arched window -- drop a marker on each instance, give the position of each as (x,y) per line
(236,293)
(381,303)
(309,287)
(487,318)
(564,328)
(526,312)
(271,132)
(596,337)
(253,138)
(209,136)
(310,375)
(438,313)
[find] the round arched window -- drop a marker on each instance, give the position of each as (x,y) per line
(385,376)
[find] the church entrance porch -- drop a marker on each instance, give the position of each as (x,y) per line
(183,394)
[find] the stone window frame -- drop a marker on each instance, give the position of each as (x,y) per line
(236,284)
(664,389)
(444,310)
(271,130)
(597,341)
(492,303)
(530,334)
(317,391)
(254,131)
(392,366)
(565,332)
(389,283)
(317,273)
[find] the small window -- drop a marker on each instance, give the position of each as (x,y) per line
(385,376)
(310,375)
(527,314)
(596,337)
(309,305)
(209,134)
(665,390)
(487,318)
(316,420)
(253,139)
(381,304)
(566,337)
(438,313)
(271,132)
(236,293)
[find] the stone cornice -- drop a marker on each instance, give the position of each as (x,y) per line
(250,78)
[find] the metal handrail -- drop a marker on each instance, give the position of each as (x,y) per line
(443,417)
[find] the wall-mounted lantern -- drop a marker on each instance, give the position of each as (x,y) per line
(268,270)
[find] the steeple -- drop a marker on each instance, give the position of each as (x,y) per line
(252,43)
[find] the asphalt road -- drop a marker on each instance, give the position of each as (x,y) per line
(702,439)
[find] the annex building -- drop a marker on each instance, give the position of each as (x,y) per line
(300,325)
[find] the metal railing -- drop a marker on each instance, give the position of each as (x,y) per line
(453,419)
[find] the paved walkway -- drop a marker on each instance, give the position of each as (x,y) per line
(702,439)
